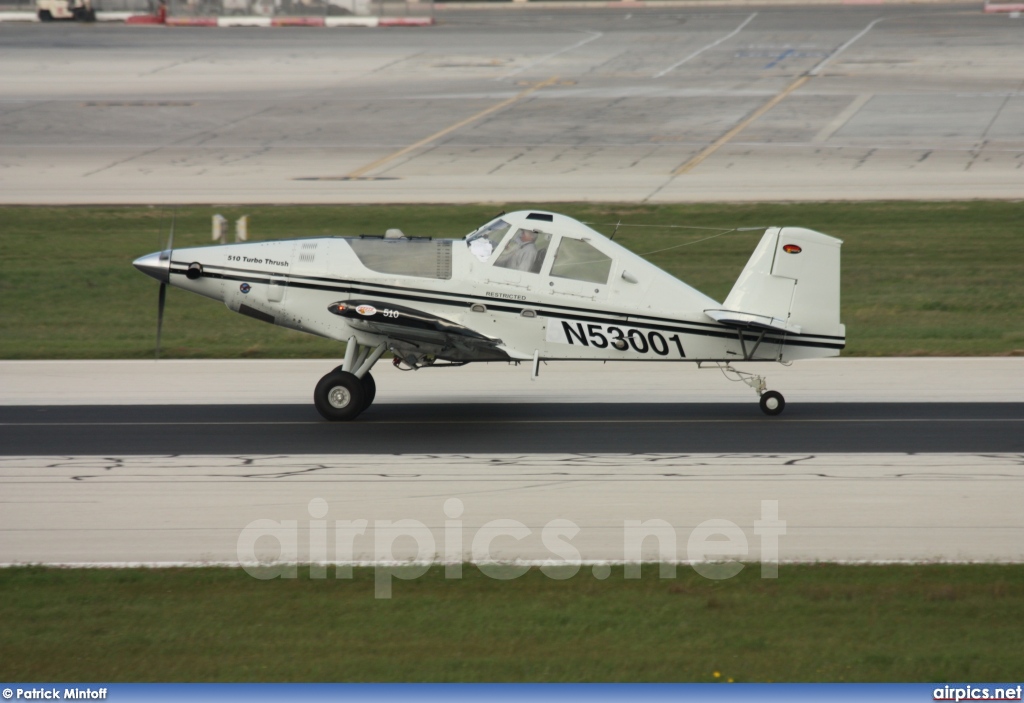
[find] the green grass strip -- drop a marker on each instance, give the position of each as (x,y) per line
(918,278)
(822,622)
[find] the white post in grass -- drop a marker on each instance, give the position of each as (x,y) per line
(219,228)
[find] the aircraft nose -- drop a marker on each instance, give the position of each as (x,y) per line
(157,265)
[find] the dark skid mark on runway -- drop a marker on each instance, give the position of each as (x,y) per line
(517,479)
(514,428)
(513,472)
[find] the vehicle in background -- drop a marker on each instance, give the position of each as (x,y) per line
(80,10)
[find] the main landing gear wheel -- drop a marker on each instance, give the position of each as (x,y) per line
(369,387)
(772,403)
(340,396)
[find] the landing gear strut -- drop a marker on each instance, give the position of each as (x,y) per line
(349,389)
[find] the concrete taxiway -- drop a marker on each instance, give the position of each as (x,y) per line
(663,104)
(512,506)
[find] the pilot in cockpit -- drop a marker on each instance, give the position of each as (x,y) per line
(521,252)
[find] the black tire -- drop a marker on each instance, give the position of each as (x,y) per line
(369,387)
(772,403)
(339,396)
(45,16)
(369,390)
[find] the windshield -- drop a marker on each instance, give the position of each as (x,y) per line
(483,242)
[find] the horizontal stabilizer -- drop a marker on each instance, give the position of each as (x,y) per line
(749,320)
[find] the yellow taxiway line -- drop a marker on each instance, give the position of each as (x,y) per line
(725,138)
(362,171)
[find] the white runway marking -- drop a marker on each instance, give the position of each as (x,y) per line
(850,42)
(700,51)
(538,62)
(842,118)
(764,109)
(543,421)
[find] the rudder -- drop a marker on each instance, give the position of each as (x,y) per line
(789,285)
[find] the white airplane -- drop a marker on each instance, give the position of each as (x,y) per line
(528,286)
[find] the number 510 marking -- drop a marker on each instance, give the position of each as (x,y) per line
(604,336)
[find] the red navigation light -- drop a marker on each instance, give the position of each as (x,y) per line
(791,249)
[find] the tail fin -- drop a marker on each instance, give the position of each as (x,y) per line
(790,286)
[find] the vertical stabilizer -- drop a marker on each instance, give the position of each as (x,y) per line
(790,285)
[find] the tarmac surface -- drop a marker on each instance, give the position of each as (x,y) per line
(577,466)
(521,427)
(238,406)
(252,508)
(534,104)
(291,381)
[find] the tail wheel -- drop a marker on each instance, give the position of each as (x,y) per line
(339,396)
(772,403)
(45,16)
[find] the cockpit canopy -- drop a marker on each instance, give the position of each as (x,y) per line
(526,247)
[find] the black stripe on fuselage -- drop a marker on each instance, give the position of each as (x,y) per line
(470,296)
(501,305)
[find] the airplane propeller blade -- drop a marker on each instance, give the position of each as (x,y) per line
(165,255)
(161,300)
(170,237)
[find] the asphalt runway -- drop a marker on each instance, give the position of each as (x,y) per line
(522,105)
(198,481)
(522,427)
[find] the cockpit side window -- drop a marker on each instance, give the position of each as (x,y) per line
(485,240)
(579,261)
(430,258)
(525,251)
